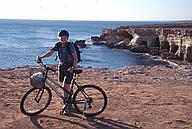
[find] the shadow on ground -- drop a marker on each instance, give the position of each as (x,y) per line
(87,122)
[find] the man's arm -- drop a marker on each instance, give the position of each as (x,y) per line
(49,53)
(75,59)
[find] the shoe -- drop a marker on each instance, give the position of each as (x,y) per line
(66,111)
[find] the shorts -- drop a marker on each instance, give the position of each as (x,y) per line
(64,74)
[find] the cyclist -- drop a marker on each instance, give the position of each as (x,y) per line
(68,61)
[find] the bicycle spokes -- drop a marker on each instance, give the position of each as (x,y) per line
(84,93)
(35,101)
(90,100)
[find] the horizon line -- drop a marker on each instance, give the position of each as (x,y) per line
(176,20)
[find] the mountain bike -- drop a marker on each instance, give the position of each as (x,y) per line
(88,100)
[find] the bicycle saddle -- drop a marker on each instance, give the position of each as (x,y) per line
(77,71)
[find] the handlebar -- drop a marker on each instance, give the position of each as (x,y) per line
(39,61)
(46,67)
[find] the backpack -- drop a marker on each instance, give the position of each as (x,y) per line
(77,51)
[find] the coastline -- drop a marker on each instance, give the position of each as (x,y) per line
(40,36)
(172,41)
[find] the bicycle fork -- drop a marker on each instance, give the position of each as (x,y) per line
(39,95)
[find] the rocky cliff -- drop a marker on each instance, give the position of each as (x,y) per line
(173,41)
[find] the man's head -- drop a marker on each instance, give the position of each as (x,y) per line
(63,35)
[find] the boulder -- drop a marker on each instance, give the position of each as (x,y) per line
(80,43)
(96,40)
(121,45)
(139,49)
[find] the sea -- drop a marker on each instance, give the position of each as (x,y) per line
(22,40)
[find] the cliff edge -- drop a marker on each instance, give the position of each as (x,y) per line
(171,41)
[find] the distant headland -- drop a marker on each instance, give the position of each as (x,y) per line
(170,41)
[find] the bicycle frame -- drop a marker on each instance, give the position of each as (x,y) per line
(54,89)
(49,80)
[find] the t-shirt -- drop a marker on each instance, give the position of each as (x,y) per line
(64,55)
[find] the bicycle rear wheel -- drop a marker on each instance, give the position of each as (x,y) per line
(90,100)
(35,101)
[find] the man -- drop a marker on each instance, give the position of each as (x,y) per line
(68,60)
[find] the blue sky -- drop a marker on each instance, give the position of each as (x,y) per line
(107,10)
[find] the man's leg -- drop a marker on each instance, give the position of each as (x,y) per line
(67,84)
(68,88)
(66,95)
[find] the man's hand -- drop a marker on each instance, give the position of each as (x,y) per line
(38,58)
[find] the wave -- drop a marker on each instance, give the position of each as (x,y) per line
(161,60)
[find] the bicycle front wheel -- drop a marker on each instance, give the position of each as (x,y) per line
(90,100)
(35,101)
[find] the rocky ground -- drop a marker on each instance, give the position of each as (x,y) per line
(138,97)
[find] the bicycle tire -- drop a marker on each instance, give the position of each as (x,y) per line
(94,108)
(46,96)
